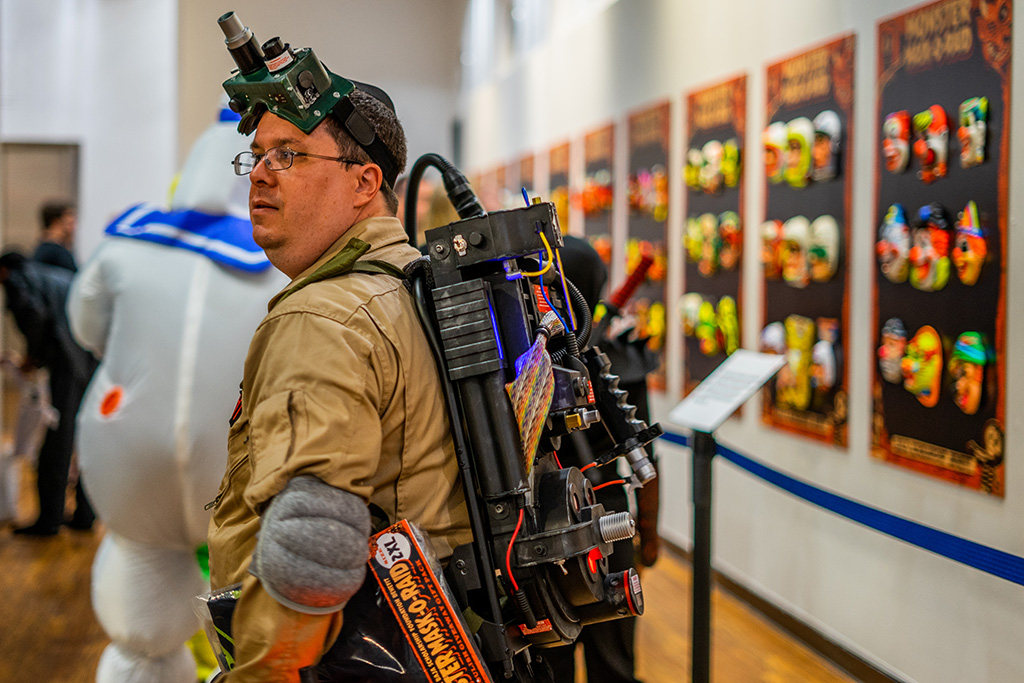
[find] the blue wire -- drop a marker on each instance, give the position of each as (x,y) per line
(526,197)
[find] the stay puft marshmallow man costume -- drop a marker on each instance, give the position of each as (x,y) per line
(169,302)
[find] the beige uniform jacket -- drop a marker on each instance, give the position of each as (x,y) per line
(339,383)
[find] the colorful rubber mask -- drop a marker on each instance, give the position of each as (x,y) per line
(728,324)
(730,239)
(774,141)
(972,131)
(929,256)
(799,139)
(707,329)
(893,245)
(731,163)
(711,173)
(892,350)
(689,308)
(896,141)
(967,364)
(771,249)
(931,142)
(823,254)
(825,155)
(823,366)
(793,383)
(693,240)
(795,241)
(969,246)
(922,366)
(692,171)
(710,244)
(773,339)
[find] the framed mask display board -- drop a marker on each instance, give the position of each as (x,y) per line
(598,191)
(558,183)
(942,166)
(804,240)
(713,231)
(647,229)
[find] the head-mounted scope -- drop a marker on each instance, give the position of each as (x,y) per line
(295,85)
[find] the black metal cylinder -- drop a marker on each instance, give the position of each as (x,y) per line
(703,453)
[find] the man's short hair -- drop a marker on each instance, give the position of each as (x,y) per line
(387,127)
(54,211)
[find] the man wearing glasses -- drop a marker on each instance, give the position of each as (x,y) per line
(341,404)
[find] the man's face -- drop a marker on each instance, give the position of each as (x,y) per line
(66,225)
(299,212)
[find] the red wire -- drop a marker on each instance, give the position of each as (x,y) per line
(508,555)
(557,461)
(609,483)
(587,467)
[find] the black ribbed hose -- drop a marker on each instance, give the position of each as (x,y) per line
(460,194)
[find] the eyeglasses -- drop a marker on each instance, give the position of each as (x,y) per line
(279,159)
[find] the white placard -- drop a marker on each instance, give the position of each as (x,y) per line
(725,390)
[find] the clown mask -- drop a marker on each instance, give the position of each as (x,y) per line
(774,140)
(694,239)
(730,239)
(707,329)
(710,244)
(799,139)
(795,389)
(892,349)
(967,370)
(731,162)
(771,249)
(711,173)
(795,240)
(823,253)
(922,366)
(825,156)
(929,257)
(969,246)
(694,164)
(971,133)
(728,325)
(893,246)
(896,141)
(931,146)
(689,307)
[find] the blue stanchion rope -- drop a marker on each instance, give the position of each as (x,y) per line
(995,562)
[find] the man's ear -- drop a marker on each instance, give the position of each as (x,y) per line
(368,184)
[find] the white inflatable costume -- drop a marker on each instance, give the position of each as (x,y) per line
(169,302)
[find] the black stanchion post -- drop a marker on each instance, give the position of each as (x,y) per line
(703,452)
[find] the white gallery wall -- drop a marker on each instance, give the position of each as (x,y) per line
(538,73)
(101,74)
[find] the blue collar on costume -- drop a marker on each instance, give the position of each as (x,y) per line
(224,239)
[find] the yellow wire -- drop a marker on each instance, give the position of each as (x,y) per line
(565,290)
(550,259)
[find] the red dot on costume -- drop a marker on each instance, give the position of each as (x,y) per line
(111,402)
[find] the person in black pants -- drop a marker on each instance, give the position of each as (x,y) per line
(608,647)
(35,295)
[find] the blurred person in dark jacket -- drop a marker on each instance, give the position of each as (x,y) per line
(35,294)
(608,647)
(58,222)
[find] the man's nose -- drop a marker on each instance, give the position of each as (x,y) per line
(260,173)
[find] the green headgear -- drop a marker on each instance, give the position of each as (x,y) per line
(295,85)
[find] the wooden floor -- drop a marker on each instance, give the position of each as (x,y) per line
(48,632)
